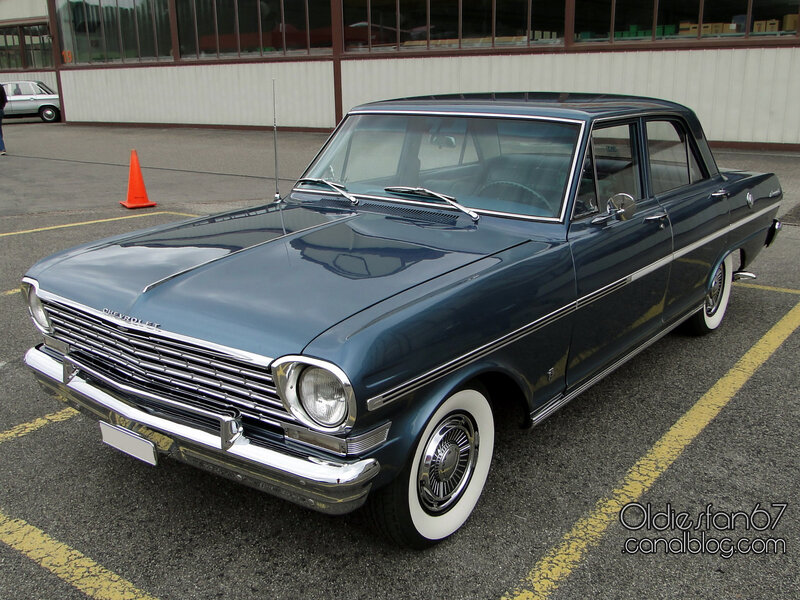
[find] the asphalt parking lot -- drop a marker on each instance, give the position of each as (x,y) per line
(703,426)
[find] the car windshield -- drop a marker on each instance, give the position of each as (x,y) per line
(506,165)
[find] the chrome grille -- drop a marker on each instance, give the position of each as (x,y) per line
(203,377)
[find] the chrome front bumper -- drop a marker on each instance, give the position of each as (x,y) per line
(329,486)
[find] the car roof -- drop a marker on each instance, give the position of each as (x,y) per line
(580,106)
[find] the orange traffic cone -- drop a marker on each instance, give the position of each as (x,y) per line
(137,194)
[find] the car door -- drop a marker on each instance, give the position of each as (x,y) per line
(21,98)
(621,260)
(680,181)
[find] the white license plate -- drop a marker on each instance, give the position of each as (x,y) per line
(129,443)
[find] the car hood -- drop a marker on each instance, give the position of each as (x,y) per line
(265,280)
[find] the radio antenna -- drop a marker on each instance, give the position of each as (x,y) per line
(277,197)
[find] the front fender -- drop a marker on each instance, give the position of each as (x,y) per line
(412,413)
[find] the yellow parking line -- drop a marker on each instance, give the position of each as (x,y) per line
(95,222)
(70,565)
(769,288)
(561,560)
(26,428)
(11,292)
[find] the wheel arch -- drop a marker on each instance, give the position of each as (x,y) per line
(505,392)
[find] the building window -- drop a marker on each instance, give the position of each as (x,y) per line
(380,25)
(774,17)
(248,28)
(723,17)
(26,47)
(10,48)
(633,20)
(38,47)
(678,18)
(593,20)
(101,31)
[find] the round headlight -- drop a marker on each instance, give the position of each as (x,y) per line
(323,396)
(38,313)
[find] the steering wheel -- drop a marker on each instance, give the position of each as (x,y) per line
(535,196)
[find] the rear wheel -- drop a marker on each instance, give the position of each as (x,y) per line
(439,487)
(716,302)
(49,114)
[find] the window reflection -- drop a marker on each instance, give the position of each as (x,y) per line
(476,23)
(113,30)
(10,50)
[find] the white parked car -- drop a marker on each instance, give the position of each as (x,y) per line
(32,98)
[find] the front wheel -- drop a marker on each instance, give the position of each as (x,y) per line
(49,114)
(439,487)
(716,302)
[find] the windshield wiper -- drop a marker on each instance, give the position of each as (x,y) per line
(420,191)
(336,187)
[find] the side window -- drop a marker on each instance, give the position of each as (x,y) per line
(23,88)
(616,162)
(672,162)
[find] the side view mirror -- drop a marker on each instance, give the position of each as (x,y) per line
(622,205)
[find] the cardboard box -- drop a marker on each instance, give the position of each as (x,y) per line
(688,29)
(772,25)
(716,28)
(790,23)
(759,26)
(706,29)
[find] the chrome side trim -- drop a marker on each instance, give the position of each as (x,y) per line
(548,408)
(603,291)
(465,359)
(724,231)
(396,392)
(331,486)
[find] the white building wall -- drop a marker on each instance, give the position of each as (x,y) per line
(742,95)
(46,77)
(22,9)
(226,94)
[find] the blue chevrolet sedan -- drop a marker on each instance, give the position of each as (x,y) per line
(443,261)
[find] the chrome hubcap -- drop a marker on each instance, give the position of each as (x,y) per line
(714,295)
(447,463)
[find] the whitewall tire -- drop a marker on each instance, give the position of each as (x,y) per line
(715,305)
(438,489)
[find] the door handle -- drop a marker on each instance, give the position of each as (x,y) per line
(720,194)
(660,217)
